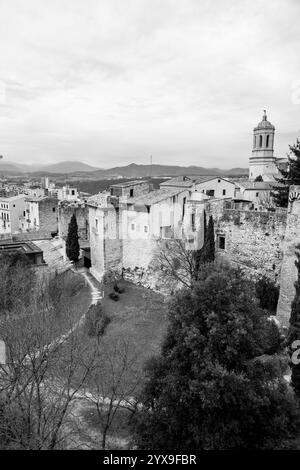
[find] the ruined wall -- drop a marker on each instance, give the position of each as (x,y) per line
(253,240)
(65,211)
(289,273)
(48,215)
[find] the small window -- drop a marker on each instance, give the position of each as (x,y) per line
(53,209)
(146,228)
(131,193)
(132,225)
(96,223)
(257,194)
(219,181)
(267,141)
(224,192)
(260,140)
(221,242)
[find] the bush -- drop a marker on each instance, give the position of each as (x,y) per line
(114,296)
(96,321)
(118,289)
(267,293)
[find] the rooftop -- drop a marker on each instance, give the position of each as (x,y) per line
(128,183)
(22,246)
(189,181)
(155,196)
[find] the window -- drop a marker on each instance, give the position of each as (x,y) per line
(257,194)
(131,193)
(267,141)
(183,206)
(73,192)
(260,140)
(210,192)
(219,181)
(224,192)
(193,222)
(221,242)
(53,209)
(146,228)
(132,225)
(97,224)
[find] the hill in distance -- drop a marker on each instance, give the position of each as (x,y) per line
(133,170)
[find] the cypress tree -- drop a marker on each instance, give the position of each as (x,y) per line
(294,329)
(72,245)
(209,256)
(290,176)
(206,254)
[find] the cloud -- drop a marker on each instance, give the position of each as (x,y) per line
(113,81)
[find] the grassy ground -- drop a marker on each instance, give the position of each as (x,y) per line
(135,333)
(139,318)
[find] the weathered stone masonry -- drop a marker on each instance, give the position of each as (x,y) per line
(253,240)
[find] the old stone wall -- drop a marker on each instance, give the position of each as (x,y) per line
(48,215)
(289,272)
(252,240)
(65,211)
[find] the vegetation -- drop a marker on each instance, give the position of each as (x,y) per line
(294,330)
(291,176)
(96,321)
(259,178)
(180,265)
(72,244)
(268,293)
(17,279)
(215,384)
(114,296)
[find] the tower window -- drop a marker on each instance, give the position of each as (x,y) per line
(267,141)
(224,192)
(260,140)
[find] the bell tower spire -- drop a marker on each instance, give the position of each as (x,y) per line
(262,162)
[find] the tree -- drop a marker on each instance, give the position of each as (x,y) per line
(290,176)
(268,293)
(175,262)
(215,384)
(17,278)
(180,265)
(294,329)
(45,370)
(258,178)
(72,245)
(113,383)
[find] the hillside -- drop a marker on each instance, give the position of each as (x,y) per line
(85,171)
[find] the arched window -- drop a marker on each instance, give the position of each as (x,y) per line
(260,140)
(267,141)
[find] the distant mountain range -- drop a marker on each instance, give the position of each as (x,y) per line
(133,170)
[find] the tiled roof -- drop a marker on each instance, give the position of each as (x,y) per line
(155,196)
(189,181)
(128,183)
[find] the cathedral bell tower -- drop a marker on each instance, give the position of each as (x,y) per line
(262,162)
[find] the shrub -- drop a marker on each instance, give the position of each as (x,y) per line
(118,289)
(267,293)
(96,321)
(114,296)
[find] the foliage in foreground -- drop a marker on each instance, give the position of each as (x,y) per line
(217,383)
(72,244)
(268,294)
(291,176)
(294,330)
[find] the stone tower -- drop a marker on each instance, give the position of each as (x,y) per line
(262,162)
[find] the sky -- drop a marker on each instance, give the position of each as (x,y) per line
(111,82)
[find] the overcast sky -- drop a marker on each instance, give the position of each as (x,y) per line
(110,82)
